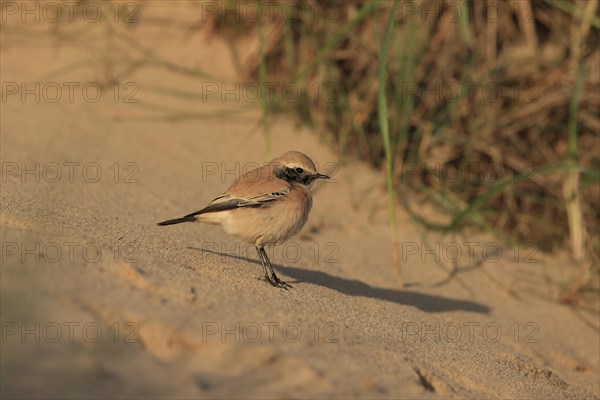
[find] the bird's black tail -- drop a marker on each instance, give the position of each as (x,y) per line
(177,221)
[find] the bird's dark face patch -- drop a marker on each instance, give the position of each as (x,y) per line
(295,174)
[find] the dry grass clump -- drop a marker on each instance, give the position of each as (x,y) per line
(479,93)
(493,106)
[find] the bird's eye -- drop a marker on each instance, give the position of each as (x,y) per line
(299,170)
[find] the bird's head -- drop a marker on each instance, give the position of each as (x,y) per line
(294,166)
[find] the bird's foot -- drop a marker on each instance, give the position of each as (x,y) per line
(275,281)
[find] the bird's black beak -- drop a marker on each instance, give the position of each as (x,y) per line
(321,176)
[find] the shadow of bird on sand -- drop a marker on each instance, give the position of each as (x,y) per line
(353,287)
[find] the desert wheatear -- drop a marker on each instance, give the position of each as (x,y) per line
(265,206)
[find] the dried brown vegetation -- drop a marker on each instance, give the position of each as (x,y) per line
(493,106)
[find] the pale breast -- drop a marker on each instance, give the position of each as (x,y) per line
(273,223)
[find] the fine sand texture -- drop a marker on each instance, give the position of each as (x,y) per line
(99,302)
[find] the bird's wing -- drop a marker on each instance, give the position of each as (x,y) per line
(259,184)
(247,194)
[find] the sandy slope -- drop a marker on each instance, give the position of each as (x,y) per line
(178,311)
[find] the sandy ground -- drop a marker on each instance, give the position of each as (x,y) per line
(97,301)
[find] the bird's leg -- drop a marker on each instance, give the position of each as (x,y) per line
(273,279)
(264,264)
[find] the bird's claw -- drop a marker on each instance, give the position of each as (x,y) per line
(278,283)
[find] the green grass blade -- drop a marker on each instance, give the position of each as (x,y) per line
(384,126)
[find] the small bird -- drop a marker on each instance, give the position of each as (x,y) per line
(265,206)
